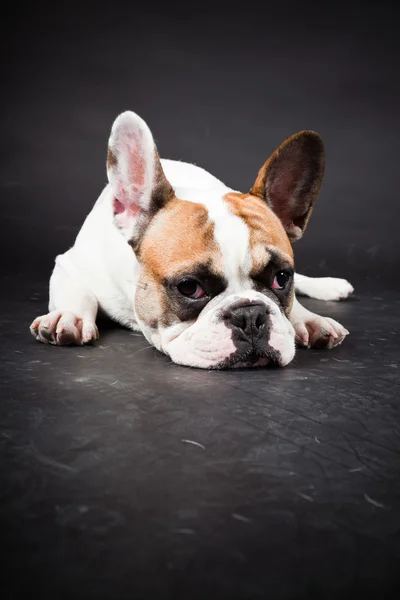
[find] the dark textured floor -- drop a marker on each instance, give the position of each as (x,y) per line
(125,476)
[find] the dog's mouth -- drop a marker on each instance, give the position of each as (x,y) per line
(252,358)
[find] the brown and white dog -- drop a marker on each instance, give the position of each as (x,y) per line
(205,272)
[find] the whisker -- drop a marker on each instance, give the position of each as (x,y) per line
(137,284)
(141,349)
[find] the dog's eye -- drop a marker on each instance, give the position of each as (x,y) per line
(281,280)
(191,289)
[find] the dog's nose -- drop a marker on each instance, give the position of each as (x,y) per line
(249,320)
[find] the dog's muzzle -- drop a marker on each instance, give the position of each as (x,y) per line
(251,325)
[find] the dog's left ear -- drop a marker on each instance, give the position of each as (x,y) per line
(290,180)
(136,176)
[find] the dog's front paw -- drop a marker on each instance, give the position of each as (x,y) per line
(319,332)
(64,328)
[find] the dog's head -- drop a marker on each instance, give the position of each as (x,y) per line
(216,280)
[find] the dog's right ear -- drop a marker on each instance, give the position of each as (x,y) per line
(136,176)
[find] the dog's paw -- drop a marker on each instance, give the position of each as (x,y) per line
(319,332)
(63,329)
(328,288)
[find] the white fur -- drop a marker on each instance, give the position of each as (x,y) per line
(322,288)
(101,270)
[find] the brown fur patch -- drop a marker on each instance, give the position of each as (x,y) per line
(185,237)
(265,227)
(162,192)
(111,159)
(179,238)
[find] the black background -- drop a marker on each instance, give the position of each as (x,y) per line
(294,489)
(220,86)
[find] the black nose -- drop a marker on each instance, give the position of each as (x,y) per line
(249,320)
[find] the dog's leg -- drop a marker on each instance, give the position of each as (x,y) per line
(322,288)
(73,310)
(314,331)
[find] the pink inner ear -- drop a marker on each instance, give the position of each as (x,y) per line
(118,207)
(136,158)
(129,176)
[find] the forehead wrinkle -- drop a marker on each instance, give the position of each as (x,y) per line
(283,256)
(260,255)
(207,266)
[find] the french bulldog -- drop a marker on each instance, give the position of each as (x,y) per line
(205,272)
